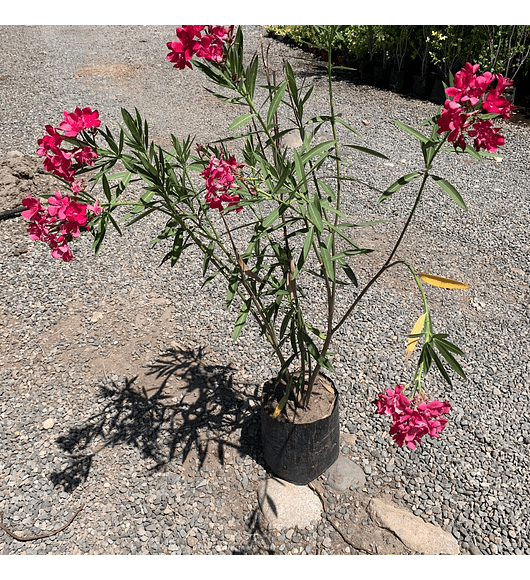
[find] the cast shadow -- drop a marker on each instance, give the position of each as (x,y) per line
(181,405)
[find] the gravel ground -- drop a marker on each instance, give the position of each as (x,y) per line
(120,387)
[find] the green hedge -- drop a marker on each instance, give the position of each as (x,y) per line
(503,49)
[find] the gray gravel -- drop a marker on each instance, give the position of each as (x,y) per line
(179,475)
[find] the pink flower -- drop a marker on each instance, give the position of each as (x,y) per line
(37,231)
(184,50)
(78,121)
(486,136)
(85,156)
(60,249)
(468,96)
(453,120)
(75,217)
(392,402)
(50,141)
(58,162)
(192,43)
(76,187)
(58,205)
(412,420)
(34,208)
(95,209)
(220,178)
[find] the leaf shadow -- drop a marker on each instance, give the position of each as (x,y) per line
(181,407)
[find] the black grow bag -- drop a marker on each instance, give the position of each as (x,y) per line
(300,452)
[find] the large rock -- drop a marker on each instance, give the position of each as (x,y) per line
(285,505)
(344,474)
(417,535)
(20,176)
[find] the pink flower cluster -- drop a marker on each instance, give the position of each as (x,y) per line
(191,42)
(220,177)
(469,95)
(59,222)
(412,419)
(65,162)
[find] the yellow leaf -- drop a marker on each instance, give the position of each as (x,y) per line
(442,282)
(416,329)
(276,412)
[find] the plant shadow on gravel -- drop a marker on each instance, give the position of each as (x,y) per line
(189,409)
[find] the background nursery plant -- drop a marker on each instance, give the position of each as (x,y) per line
(267,217)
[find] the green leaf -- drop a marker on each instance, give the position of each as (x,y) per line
(314,352)
(327,262)
(366,150)
(233,284)
(178,247)
(345,253)
(307,95)
(428,149)
(289,73)
(131,125)
(305,250)
(440,366)
(440,339)
(300,172)
(207,257)
(342,122)
(250,77)
(271,218)
(285,322)
(450,189)
(316,150)
(420,136)
(401,182)
(276,102)
(241,120)
(348,271)
(242,318)
(315,331)
(449,358)
(106,187)
(315,213)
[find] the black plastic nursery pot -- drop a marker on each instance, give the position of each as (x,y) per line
(299,452)
(421,86)
(381,77)
(398,81)
(437,95)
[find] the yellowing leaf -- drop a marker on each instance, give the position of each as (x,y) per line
(416,329)
(276,412)
(442,282)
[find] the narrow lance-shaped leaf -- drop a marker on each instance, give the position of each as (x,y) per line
(241,120)
(367,150)
(305,250)
(327,262)
(450,189)
(242,318)
(289,73)
(415,334)
(347,270)
(315,213)
(316,150)
(440,366)
(449,358)
(250,80)
(401,182)
(420,136)
(275,102)
(442,282)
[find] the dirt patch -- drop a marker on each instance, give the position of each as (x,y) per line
(321,404)
(120,72)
